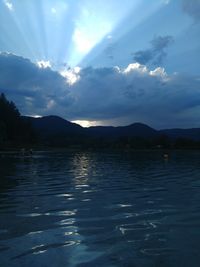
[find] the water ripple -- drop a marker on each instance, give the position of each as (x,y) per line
(81,208)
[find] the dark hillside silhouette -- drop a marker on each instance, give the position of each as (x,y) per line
(135,129)
(54,131)
(13,129)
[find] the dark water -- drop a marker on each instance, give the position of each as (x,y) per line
(100,209)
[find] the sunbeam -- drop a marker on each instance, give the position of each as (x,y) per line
(121,33)
(68,58)
(19,41)
(69,33)
(93,25)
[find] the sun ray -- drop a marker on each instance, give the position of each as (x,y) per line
(17,19)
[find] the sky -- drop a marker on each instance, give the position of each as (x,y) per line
(103,62)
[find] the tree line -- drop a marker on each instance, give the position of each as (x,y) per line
(14,130)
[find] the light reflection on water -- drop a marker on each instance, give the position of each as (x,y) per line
(100,209)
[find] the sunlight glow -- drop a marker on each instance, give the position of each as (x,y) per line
(57,32)
(158,72)
(71,75)
(135,66)
(91,27)
(69,31)
(44,64)
(82,41)
(85,123)
(34,116)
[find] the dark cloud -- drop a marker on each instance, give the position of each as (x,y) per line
(192,8)
(135,93)
(103,94)
(34,89)
(156,53)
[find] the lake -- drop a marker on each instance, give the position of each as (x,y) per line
(82,208)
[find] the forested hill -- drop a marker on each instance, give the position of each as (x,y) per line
(13,129)
(53,131)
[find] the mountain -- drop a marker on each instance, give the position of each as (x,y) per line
(54,125)
(193,133)
(56,131)
(133,130)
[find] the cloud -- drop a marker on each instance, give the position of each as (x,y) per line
(113,95)
(134,93)
(9,5)
(71,75)
(156,53)
(192,8)
(44,64)
(33,87)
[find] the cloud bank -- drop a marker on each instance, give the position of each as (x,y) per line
(113,95)
(34,87)
(156,54)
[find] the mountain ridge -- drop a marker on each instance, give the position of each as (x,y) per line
(54,125)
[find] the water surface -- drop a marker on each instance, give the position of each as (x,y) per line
(100,209)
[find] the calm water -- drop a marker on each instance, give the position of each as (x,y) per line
(100,209)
